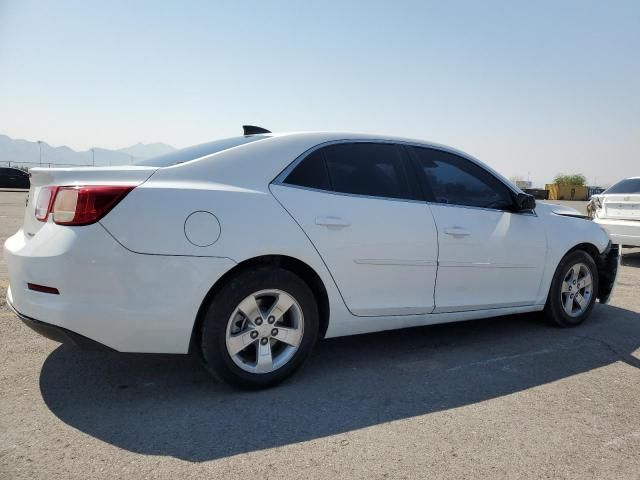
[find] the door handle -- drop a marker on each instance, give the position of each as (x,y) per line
(332,222)
(457,232)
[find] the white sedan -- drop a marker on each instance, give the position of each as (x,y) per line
(617,210)
(247,250)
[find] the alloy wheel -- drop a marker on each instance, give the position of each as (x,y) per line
(576,291)
(264,331)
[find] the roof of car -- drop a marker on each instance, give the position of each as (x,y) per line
(330,136)
(337,135)
(290,145)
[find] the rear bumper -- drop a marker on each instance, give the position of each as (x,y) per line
(622,232)
(126,301)
(56,333)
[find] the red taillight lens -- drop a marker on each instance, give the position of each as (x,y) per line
(44,202)
(86,205)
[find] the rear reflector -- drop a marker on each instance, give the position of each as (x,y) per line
(43,289)
(79,205)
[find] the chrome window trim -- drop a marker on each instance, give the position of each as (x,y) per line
(531,213)
(279,179)
(357,195)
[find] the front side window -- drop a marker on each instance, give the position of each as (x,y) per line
(456,181)
(370,169)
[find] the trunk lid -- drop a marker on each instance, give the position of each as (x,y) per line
(621,206)
(46,177)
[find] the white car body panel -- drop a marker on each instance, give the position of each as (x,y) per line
(488,258)
(564,233)
(136,280)
(126,301)
(622,232)
(619,214)
(382,253)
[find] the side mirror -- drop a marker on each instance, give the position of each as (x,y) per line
(525,202)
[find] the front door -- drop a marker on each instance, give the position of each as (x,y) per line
(489,255)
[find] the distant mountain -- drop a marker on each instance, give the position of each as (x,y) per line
(24,152)
(141,150)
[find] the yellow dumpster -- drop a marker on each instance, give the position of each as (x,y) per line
(566,192)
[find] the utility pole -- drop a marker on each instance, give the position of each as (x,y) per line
(40,146)
(93,157)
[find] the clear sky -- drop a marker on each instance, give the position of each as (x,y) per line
(539,86)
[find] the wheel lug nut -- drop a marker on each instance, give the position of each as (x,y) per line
(258,321)
(272,319)
(274,332)
(264,340)
(254,334)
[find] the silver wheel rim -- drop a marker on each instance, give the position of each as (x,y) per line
(576,292)
(264,331)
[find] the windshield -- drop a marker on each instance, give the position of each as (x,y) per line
(630,185)
(197,151)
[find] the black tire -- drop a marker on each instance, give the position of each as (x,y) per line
(215,355)
(554,309)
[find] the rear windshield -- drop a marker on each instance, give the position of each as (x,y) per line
(197,151)
(630,185)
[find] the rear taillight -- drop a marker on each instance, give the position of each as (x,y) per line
(44,202)
(78,205)
(86,205)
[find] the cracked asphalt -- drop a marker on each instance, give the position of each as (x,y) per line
(508,397)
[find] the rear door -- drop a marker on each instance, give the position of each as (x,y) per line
(490,256)
(379,241)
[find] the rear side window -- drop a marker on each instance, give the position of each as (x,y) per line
(311,173)
(370,169)
(457,181)
(197,151)
(630,185)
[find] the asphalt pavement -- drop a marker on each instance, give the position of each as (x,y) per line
(509,397)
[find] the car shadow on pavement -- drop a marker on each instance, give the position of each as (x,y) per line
(167,405)
(631,259)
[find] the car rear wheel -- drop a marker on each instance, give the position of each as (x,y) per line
(573,290)
(259,328)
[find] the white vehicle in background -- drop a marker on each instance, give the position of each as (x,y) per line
(617,210)
(247,250)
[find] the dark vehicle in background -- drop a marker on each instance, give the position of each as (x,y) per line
(537,193)
(13,178)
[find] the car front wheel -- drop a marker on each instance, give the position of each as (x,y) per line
(573,290)
(259,328)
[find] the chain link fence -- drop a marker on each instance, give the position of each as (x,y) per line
(27,165)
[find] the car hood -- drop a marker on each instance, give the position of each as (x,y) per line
(560,210)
